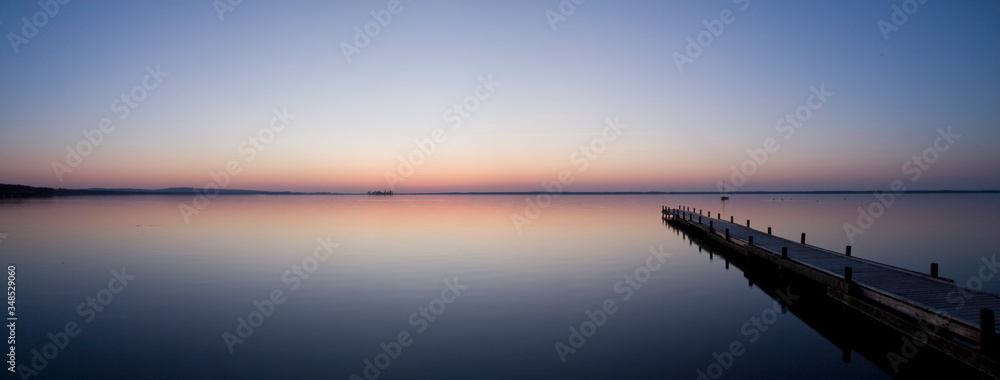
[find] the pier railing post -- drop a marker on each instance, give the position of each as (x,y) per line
(803,241)
(848,274)
(987,329)
(750,240)
(847,251)
(748,223)
(934,270)
(730,219)
(727,234)
(769,230)
(784,252)
(711,226)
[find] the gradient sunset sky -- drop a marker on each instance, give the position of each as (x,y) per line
(604,60)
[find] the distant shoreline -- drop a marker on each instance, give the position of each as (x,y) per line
(22,191)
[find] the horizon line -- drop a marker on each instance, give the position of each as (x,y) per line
(189,190)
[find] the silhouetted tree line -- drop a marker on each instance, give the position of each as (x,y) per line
(22,191)
(388,192)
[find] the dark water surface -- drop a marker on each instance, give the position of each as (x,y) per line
(470,295)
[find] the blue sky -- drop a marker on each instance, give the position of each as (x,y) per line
(353,120)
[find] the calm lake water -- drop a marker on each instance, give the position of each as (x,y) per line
(439,286)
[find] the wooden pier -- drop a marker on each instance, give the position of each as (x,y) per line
(922,305)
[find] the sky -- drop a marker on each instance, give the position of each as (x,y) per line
(350,96)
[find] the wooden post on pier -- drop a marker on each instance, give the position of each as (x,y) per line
(987,327)
(803,238)
(718,215)
(848,274)
(784,252)
(727,234)
(730,219)
(750,240)
(848,251)
(711,225)
(748,223)
(769,230)
(934,270)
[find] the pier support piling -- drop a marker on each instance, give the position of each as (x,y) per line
(987,327)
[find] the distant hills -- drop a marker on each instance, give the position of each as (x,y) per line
(22,191)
